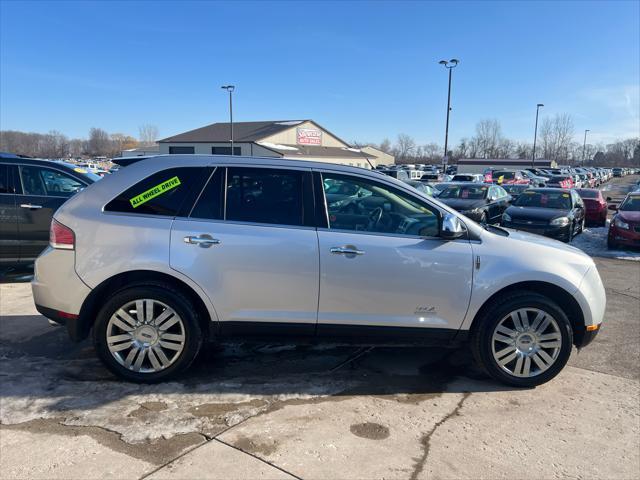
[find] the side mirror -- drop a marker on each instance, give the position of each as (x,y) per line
(613,207)
(452,227)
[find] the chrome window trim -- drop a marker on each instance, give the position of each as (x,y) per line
(249,224)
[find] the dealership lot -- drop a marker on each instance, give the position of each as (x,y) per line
(279,411)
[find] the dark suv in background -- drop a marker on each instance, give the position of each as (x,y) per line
(31,190)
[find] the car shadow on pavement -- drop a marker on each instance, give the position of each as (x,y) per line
(40,364)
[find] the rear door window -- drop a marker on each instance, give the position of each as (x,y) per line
(168,192)
(269,195)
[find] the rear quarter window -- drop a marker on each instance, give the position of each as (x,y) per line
(169,192)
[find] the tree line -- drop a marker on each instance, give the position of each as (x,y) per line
(555,141)
(56,145)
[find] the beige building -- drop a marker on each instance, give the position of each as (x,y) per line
(295,139)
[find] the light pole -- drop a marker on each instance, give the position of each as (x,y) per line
(584,145)
(535,136)
(230,89)
(449,65)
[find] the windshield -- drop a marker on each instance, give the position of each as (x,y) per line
(546,199)
(631,204)
(464,192)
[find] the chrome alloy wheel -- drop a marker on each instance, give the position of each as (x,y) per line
(145,336)
(526,342)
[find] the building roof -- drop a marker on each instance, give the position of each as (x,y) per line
(318,151)
(242,131)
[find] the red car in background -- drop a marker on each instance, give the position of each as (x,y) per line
(625,225)
(595,206)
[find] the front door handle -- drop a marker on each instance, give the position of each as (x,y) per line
(204,241)
(30,206)
(348,250)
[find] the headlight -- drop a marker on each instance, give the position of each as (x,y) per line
(621,223)
(560,222)
(506,217)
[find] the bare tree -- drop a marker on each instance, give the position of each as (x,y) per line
(148,134)
(405,147)
(556,135)
(99,142)
(385,146)
(488,137)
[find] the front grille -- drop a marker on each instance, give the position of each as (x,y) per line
(529,223)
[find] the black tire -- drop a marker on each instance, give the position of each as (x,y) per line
(482,333)
(169,296)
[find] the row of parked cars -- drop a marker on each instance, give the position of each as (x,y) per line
(556,209)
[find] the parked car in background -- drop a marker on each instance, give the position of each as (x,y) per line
(560,181)
(178,251)
(552,212)
(468,177)
(618,172)
(535,180)
(400,174)
(624,230)
(595,206)
(504,177)
(31,190)
(515,190)
(421,187)
(431,177)
(480,202)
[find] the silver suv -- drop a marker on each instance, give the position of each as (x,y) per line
(175,250)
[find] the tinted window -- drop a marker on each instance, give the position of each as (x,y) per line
(162,193)
(225,150)
(630,204)
(265,195)
(211,202)
(4,179)
(505,175)
(59,184)
(179,150)
(376,207)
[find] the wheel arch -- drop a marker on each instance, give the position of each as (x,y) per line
(79,330)
(559,295)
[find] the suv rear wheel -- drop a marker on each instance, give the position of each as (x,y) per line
(523,340)
(147,333)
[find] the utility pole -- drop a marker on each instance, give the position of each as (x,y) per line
(449,65)
(584,146)
(230,89)
(535,136)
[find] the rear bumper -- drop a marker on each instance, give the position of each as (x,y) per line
(56,286)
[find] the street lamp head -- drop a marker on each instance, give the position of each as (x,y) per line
(442,62)
(228,88)
(455,61)
(587,131)
(540,105)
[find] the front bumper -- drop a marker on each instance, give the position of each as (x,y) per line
(621,236)
(559,233)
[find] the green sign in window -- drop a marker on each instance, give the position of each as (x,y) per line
(154,192)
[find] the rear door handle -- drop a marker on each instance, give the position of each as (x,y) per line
(30,206)
(204,241)
(349,250)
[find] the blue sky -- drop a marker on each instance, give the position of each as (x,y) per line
(365,70)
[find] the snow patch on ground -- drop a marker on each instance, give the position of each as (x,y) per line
(593,241)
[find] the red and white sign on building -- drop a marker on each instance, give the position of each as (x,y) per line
(308,136)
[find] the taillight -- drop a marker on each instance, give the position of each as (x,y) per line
(61,236)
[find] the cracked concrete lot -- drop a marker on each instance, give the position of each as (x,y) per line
(281,411)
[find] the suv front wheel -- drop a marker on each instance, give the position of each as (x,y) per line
(523,340)
(147,333)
